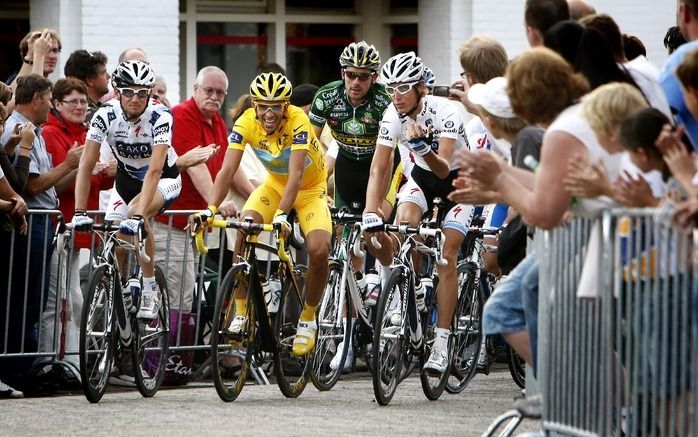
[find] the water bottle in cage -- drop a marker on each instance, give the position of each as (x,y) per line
(131,292)
(272,293)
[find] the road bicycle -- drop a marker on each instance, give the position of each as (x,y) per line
(341,303)
(401,332)
(266,331)
(109,317)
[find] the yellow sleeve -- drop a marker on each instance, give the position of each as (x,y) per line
(302,132)
(241,132)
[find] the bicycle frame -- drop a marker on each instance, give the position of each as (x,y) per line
(351,238)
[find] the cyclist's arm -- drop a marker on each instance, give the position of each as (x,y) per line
(224,178)
(318,131)
(152,177)
(296,166)
(440,164)
(83,180)
(377,182)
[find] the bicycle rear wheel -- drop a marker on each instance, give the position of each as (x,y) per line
(231,353)
(96,333)
(291,372)
(333,328)
(389,339)
(468,329)
(151,338)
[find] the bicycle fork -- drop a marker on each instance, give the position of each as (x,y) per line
(415,323)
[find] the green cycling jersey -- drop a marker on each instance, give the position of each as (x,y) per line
(354,128)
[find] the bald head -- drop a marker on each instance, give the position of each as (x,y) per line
(580,9)
(133,54)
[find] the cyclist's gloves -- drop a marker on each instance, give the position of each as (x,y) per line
(371,222)
(281,217)
(81,221)
(130,226)
(205,216)
(421,145)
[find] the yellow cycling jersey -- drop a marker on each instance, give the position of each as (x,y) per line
(274,151)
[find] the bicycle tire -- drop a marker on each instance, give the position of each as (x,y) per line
(97,334)
(433,385)
(332,329)
(229,380)
(291,372)
(517,367)
(389,341)
(468,330)
(151,338)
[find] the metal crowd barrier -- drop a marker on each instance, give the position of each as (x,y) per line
(53,336)
(617,343)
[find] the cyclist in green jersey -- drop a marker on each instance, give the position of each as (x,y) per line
(352,108)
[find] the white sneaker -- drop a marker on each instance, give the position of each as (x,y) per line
(237,325)
(335,364)
(437,362)
(150,305)
(7,392)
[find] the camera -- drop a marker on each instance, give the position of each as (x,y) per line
(445,90)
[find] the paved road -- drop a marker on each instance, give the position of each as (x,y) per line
(348,410)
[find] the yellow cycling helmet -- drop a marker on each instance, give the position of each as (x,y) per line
(271,87)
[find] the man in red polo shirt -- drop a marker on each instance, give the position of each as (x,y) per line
(197,122)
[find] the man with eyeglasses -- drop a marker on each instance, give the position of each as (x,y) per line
(433,130)
(281,137)
(139,133)
(197,122)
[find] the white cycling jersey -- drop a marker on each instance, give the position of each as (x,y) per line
(132,142)
(439,114)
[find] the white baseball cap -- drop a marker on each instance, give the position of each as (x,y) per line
(492,96)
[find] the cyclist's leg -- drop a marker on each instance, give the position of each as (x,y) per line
(260,207)
(315,221)
(455,226)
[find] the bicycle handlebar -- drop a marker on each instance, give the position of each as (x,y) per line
(246,226)
(357,242)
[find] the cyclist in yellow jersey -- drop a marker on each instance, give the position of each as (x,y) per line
(282,138)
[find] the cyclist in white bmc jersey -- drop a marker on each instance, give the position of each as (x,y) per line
(139,133)
(433,129)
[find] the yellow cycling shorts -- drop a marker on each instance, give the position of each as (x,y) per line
(310,205)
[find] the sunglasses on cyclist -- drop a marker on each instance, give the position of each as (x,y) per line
(402,88)
(276,107)
(130,92)
(363,77)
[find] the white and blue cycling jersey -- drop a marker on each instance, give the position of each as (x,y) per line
(132,142)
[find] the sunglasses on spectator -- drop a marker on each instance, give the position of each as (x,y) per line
(130,92)
(276,107)
(208,91)
(363,77)
(402,88)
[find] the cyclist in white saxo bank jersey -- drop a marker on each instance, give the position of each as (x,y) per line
(433,129)
(139,133)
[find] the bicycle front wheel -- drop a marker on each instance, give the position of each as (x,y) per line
(517,367)
(291,371)
(468,330)
(231,350)
(389,339)
(151,343)
(96,333)
(333,324)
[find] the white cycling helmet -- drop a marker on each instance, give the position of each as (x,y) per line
(401,68)
(133,73)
